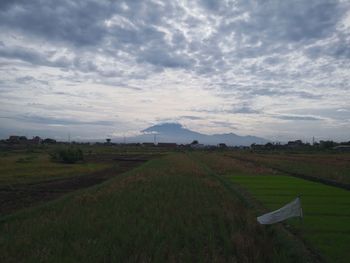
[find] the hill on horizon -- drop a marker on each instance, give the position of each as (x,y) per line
(175,132)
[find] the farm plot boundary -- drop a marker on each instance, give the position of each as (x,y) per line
(294,174)
(325,227)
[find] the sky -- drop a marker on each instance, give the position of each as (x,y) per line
(96,68)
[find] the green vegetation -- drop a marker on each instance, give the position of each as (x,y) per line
(67,155)
(222,164)
(179,207)
(169,209)
(335,167)
(326,210)
(30,164)
(24,167)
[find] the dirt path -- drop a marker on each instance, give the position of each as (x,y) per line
(15,197)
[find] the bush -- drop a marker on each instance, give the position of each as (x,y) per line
(27,159)
(68,155)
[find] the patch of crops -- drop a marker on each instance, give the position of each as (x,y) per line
(326,223)
(168,210)
(335,167)
(31,167)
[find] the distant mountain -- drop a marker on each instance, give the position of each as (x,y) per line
(175,132)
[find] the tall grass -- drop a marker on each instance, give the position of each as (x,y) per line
(168,210)
(23,167)
(335,167)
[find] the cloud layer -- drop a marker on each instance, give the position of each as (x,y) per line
(277,69)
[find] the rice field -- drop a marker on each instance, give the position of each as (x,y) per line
(191,206)
(326,223)
(167,210)
(331,166)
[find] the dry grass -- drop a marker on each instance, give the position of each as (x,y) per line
(223,164)
(168,210)
(335,167)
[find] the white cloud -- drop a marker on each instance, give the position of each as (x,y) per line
(254,67)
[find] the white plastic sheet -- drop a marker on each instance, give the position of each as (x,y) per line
(292,209)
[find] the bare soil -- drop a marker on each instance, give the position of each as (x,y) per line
(18,196)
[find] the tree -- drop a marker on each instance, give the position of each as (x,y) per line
(327,144)
(49,141)
(67,155)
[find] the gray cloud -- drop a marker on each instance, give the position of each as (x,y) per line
(161,57)
(32,56)
(194,118)
(297,118)
(245,109)
(78,22)
(56,121)
(283,92)
(330,113)
(248,56)
(30,79)
(338,48)
(294,21)
(137,28)
(224,124)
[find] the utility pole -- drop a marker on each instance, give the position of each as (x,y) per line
(155,139)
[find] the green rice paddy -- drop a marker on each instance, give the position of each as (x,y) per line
(326,222)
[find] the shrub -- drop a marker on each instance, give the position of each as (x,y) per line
(26,159)
(67,155)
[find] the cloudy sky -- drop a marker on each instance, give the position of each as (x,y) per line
(93,68)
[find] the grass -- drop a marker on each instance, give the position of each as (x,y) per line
(326,223)
(326,210)
(24,167)
(168,210)
(334,166)
(222,164)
